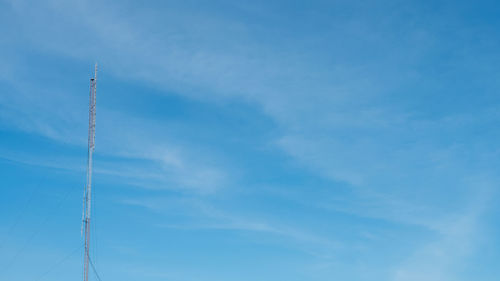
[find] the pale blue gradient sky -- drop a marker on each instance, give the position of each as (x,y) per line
(252,140)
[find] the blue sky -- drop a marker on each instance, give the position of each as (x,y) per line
(252,140)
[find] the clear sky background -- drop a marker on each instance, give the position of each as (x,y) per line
(252,140)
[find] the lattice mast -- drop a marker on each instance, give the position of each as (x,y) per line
(87,198)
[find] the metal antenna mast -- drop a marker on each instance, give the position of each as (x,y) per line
(87,197)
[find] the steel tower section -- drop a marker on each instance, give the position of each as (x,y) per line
(87,198)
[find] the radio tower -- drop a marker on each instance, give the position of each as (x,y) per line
(87,197)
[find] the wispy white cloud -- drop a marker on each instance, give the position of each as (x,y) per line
(457,239)
(203,215)
(35,110)
(442,258)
